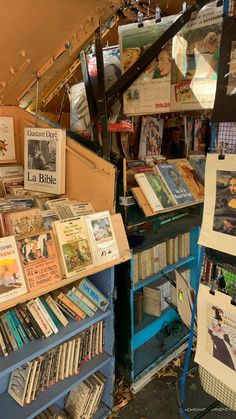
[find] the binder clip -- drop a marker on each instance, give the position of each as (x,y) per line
(140,20)
(157,14)
(212,287)
(184,7)
(219,3)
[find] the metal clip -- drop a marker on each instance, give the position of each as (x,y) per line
(157,14)
(140,20)
(233,301)
(222,151)
(219,3)
(212,287)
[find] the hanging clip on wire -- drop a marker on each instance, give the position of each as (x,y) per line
(222,151)
(212,287)
(219,3)
(158,15)
(184,7)
(140,20)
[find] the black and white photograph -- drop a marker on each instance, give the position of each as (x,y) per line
(225,205)
(42,155)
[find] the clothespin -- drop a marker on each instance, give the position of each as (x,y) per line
(140,20)
(222,151)
(157,14)
(184,7)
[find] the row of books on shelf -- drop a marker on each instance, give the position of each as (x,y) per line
(152,298)
(43,316)
(32,378)
(82,402)
(38,249)
(156,258)
(169,183)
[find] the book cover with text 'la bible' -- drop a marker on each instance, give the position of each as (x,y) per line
(44,150)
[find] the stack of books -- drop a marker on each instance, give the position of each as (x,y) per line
(41,317)
(31,379)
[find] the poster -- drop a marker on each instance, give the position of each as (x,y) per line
(216,338)
(151,137)
(195,54)
(150,93)
(225,99)
(218,229)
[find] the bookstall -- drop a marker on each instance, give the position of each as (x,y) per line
(57,342)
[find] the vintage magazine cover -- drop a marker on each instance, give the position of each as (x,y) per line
(150,93)
(39,257)
(216,338)
(151,137)
(7,140)
(175,183)
(20,223)
(12,281)
(218,229)
(190,177)
(74,245)
(103,241)
(196,53)
(45,160)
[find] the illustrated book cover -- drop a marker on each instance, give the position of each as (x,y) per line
(12,281)
(175,183)
(7,140)
(23,222)
(74,245)
(191,177)
(150,137)
(155,191)
(102,237)
(44,150)
(40,261)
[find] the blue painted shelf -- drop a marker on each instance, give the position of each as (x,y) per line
(37,347)
(10,409)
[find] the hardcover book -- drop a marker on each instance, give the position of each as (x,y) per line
(40,261)
(175,183)
(155,191)
(190,177)
(45,160)
(74,246)
(7,141)
(12,281)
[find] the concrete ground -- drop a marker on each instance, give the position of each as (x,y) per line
(155,401)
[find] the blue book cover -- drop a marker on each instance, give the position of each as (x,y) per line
(19,327)
(93,294)
(80,304)
(50,312)
(199,166)
(175,183)
(14,329)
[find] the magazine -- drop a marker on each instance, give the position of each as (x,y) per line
(151,137)
(175,183)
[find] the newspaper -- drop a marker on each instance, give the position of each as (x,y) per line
(195,53)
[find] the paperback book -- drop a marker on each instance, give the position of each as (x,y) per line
(40,260)
(45,160)
(191,178)
(12,282)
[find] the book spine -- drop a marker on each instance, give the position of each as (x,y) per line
(86,300)
(56,310)
(46,315)
(35,325)
(30,326)
(50,312)
(65,300)
(39,318)
(94,294)
(14,329)
(66,309)
(19,327)
(5,337)
(80,304)
(23,324)
(3,346)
